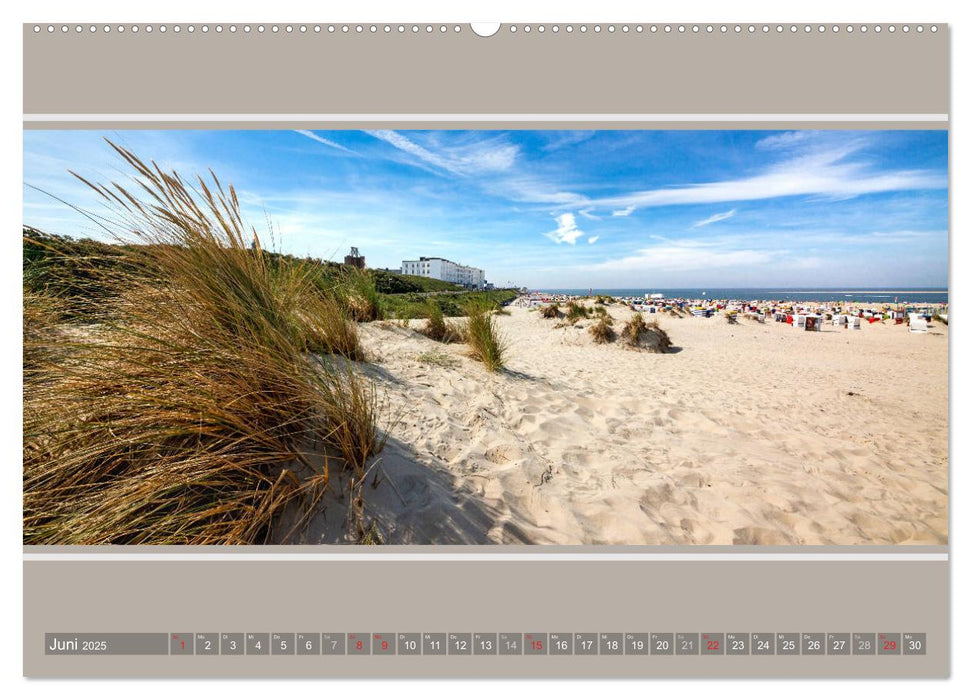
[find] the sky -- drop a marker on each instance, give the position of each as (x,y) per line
(548,209)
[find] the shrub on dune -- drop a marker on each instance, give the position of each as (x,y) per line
(436,327)
(633,329)
(649,336)
(550,311)
(601,313)
(602,331)
(575,311)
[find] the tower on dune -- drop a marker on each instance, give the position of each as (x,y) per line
(355,259)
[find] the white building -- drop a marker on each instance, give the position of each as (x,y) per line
(445,270)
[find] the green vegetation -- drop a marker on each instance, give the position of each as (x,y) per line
(357,293)
(485,342)
(575,311)
(634,329)
(452,304)
(395,283)
(436,327)
(550,311)
(604,316)
(650,336)
(602,331)
(438,359)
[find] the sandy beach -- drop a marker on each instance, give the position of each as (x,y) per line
(745,434)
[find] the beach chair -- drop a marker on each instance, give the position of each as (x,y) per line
(918,325)
(853,323)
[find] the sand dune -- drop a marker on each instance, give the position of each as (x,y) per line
(746,434)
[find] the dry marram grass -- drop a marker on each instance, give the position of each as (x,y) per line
(211,401)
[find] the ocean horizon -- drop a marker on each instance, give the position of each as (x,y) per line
(900,294)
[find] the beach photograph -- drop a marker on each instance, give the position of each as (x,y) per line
(485,337)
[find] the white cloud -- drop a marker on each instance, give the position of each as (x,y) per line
(624,212)
(784,139)
(403,143)
(491,155)
(566,230)
(714,218)
(321,139)
(822,173)
(593,239)
(532,190)
(588,214)
(559,139)
(679,257)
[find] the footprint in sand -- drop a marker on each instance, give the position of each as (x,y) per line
(503,454)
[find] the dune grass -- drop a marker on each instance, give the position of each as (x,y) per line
(638,333)
(436,327)
(437,358)
(602,314)
(550,311)
(602,331)
(211,400)
(486,343)
(575,312)
(357,291)
(634,329)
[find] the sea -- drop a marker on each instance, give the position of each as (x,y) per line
(868,295)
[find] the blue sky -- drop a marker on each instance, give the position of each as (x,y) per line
(607,209)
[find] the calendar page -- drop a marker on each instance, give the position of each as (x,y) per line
(538,350)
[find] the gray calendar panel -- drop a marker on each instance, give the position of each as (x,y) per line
(713,643)
(181,644)
(686,644)
(888,643)
(333,643)
(257,644)
(283,643)
(207,643)
(409,644)
(485,643)
(611,643)
(788,644)
(510,643)
(838,644)
(763,643)
(813,644)
(383,644)
(536,643)
(637,643)
(915,643)
(585,644)
(561,643)
(662,643)
(232,644)
(127,643)
(738,643)
(767,607)
(864,643)
(308,643)
(460,643)
(434,644)
(358,643)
